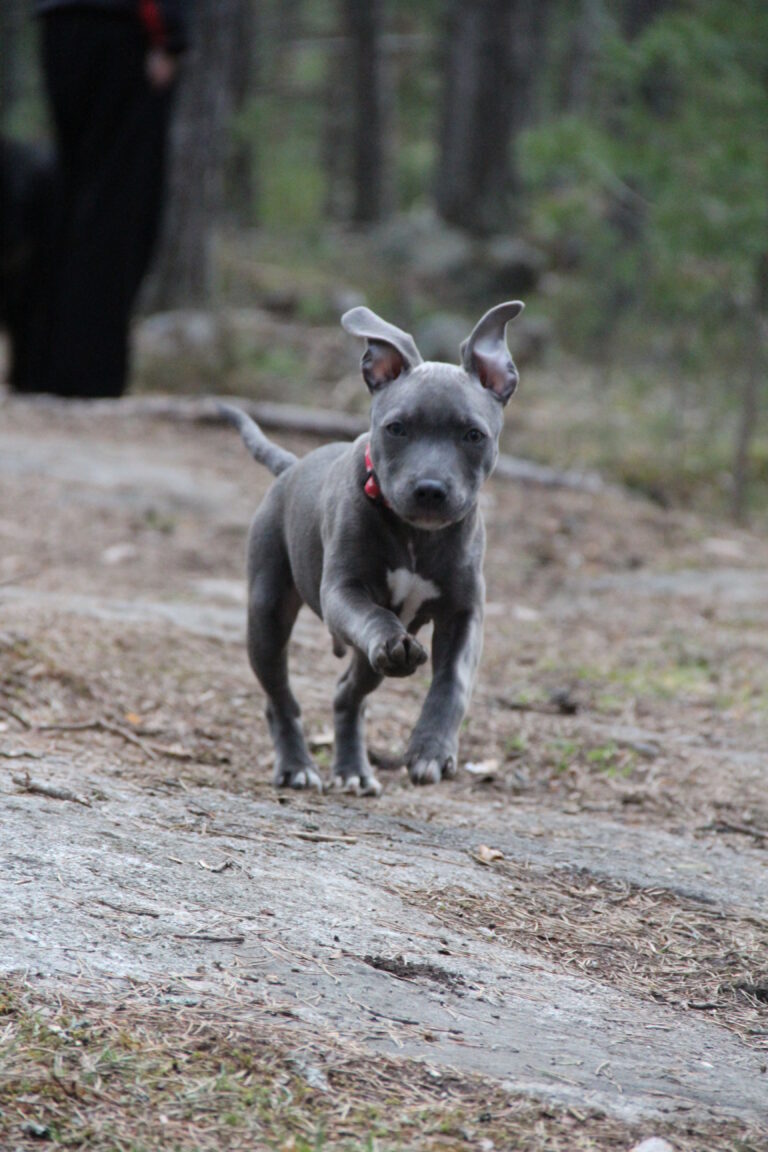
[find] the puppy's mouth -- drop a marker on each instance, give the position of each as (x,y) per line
(428,525)
(431,519)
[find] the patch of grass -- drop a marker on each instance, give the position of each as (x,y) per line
(610,759)
(562,754)
(281,362)
(666,681)
(672,671)
(131,1076)
(515,746)
(609,702)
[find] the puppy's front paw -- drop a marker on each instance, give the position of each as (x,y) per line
(429,764)
(301,777)
(366,785)
(398,656)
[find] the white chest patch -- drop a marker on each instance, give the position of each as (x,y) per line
(409,592)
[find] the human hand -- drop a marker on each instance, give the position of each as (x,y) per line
(160,68)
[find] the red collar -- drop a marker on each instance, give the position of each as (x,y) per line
(371,487)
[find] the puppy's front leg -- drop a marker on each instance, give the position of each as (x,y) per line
(351,615)
(456,646)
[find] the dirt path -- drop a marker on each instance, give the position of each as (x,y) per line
(609,960)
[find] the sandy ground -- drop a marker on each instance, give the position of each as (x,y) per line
(580,919)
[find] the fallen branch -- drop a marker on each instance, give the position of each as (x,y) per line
(128,909)
(52,791)
(324,838)
(17,579)
(211,939)
(17,716)
(322,422)
(103,726)
(204,410)
(741,829)
(519,471)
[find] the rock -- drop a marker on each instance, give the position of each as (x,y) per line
(524,614)
(653,1144)
(512,266)
(485,855)
(37,1131)
(529,338)
(283,301)
(723,548)
(166,334)
(485,768)
(119,553)
(310,1073)
(420,239)
(445,258)
(456,266)
(565,702)
(343,298)
(440,336)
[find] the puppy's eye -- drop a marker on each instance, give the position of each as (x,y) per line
(396,428)
(474,436)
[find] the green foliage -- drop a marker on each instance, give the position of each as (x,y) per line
(657,192)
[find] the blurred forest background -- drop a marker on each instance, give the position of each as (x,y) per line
(605,160)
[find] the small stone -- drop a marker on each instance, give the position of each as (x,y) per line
(483,768)
(564,701)
(119,553)
(38,1131)
(322,739)
(653,1144)
(440,337)
(485,855)
(310,1073)
(723,549)
(524,614)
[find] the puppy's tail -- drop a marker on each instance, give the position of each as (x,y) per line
(274,458)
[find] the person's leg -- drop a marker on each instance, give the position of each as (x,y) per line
(110,127)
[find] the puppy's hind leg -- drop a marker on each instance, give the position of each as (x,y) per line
(351,768)
(272,610)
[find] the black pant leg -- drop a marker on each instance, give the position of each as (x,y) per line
(111,129)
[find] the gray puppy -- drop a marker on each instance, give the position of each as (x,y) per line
(378,537)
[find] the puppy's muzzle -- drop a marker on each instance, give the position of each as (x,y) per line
(430,495)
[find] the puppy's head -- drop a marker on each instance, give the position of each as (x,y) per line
(435,427)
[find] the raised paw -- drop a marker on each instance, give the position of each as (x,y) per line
(430,766)
(400,655)
(357,785)
(300,777)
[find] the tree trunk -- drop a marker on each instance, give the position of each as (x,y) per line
(750,395)
(636,15)
(12,16)
(184,272)
(242,175)
(491,50)
(581,54)
(337,130)
(371,164)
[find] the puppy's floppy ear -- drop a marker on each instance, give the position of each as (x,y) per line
(390,351)
(485,354)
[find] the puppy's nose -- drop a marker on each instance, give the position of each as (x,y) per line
(430,493)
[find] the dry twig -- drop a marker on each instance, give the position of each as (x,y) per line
(52,791)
